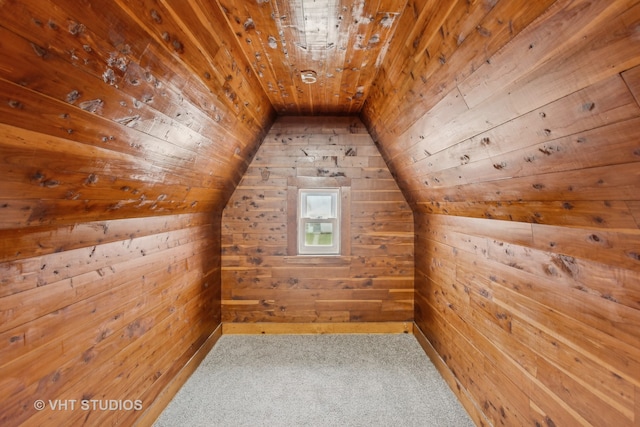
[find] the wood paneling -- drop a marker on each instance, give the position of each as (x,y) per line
(319,328)
(512,128)
(504,132)
(124,128)
(343,41)
(167,394)
(264,280)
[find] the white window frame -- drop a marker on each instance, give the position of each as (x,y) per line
(304,219)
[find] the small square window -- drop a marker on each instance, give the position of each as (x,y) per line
(318,221)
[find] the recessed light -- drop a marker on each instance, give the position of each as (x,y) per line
(309,76)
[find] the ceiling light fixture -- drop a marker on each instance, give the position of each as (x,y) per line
(309,76)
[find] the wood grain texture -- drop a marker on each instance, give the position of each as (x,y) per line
(521,167)
(124,129)
(495,203)
(155,409)
(263,278)
(319,328)
(476,415)
(343,41)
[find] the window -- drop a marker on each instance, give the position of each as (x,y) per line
(318,221)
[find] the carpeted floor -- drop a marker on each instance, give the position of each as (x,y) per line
(315,380)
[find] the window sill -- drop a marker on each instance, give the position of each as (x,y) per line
(313,260)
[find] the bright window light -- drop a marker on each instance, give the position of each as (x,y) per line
(318,221)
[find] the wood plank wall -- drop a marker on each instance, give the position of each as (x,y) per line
(124,128)
(264,281)
(513,128)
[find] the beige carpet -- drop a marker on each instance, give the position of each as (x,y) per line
(315,380)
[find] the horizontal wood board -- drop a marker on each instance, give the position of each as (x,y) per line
(511,128)
(124,128)
(263,278)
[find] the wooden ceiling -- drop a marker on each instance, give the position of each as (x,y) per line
(343,42)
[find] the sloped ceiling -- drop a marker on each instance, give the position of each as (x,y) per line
(190,87)
(341,43)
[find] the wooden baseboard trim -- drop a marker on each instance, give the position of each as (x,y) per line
(318,328)
(467,402)
(165,396)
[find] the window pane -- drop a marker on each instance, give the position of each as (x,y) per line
(318,224)
(319,206)
(319,234)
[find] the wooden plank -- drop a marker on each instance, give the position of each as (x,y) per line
(601,104)
(153,411)
(563,292)
(467,402)
(370,50)
(548,409)
(248,294)
(353,286)
(318,328)
(54,320)
(545,82)
(127,363)
(564,20)
(343,43)
(450,107)
(200,60)
(45,212)
(557,306)
(616,249)
(89,93)
(590,397)
(333,125)
(486,307)
(70,362)
(476,372)
(18,244)
(612,182)
(597,214)
(554,156)
(119,146)
(464,367)
(547,344)
(262,279)
(491,31)
(505,231)
(417,45)
(176,364)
